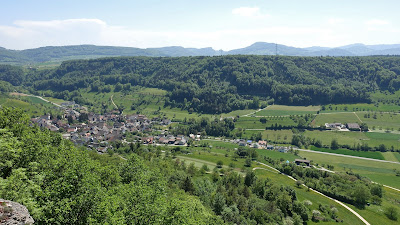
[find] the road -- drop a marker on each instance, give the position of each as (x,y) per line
(339,202)
(348,156)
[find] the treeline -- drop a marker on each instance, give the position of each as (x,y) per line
(226,83)
(205,126)
(350,188)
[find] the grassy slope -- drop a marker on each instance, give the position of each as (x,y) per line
(383,171)
(372,155)
(377,171)
(31,105)
(282,110)
(215,155)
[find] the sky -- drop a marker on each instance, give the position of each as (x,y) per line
(220,24)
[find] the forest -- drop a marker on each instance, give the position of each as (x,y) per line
(221,83)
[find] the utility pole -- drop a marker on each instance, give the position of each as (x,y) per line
(276,48)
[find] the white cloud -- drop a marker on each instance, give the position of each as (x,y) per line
(334,21)
(249,12)
(377,22)
(33,34)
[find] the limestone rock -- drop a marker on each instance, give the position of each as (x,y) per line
(14,213)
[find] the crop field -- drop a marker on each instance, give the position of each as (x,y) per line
(283,110)
(392,156)
(383,121)
(373,139)
(348,107)
(254,122)
(326,137)
(380,172)
(31,106)
(347,117)
(372,155)
(238,113)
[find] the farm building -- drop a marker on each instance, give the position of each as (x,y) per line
(300,161)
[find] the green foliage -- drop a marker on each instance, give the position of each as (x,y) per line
(392,213)
(61,184)
(334,144)
(223,84)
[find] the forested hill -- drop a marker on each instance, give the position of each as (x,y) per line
(57,54)
(226,83)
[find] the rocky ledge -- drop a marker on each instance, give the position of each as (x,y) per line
(14,213)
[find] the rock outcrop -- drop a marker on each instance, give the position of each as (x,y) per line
(14,213)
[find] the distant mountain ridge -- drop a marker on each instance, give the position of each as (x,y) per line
(62,53)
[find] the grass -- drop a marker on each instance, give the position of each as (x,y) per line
(219,148)
(372,155)
(397,155)
(283,110)
(210,159)
(347,117)
(316,199)
(147,101)
(373,139)
(32,106)
(379,172)
(238,113)
(276,155)
(391,156)
(383,121)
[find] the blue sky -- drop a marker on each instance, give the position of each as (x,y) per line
(219,24)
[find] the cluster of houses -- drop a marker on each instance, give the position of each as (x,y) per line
(342,127)
(168,139)
(261,144)
(99,129)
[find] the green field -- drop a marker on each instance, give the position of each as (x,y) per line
(283,110)
(352,139)
(392,156)
(360,107)
(373,213)
(372,155)
(380,172)
(32,106)
(254,122)
(147,101)
(216,154)
(316,199)
(383,121)
(347,117)
(238,113)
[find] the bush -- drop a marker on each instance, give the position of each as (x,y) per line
(391,213)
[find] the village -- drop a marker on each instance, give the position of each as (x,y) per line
(97,131)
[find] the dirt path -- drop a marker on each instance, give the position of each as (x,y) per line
(358,117)
(113,102)
(258,110)
(348,156)
(339,202)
